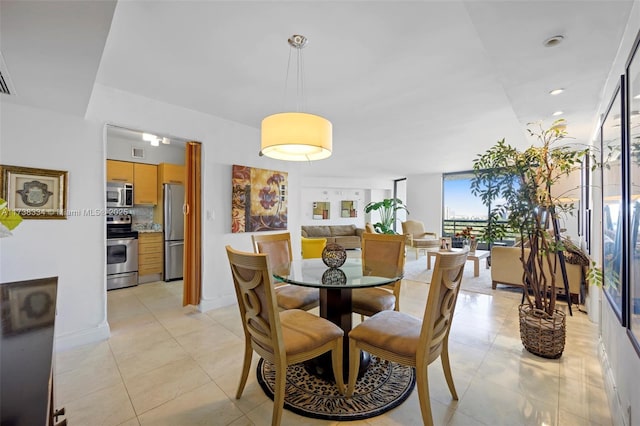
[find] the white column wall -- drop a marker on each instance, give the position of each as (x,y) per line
(424,200)
(621,363)
(72,249)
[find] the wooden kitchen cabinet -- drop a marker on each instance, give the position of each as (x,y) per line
(150,257)
(119,171)
(170,173)
(167,173)
(145,184)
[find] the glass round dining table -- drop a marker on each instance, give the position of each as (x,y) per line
(335,285)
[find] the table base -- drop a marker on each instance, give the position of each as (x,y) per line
(322,367)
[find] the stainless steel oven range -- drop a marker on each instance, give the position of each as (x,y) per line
(122,252)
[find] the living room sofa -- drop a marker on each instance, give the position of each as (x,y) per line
(506,268)
(348,236)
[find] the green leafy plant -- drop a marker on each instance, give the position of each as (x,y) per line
(387,209)
(524,179)
(594,274)
(8,219)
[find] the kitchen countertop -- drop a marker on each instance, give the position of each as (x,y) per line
(147,231)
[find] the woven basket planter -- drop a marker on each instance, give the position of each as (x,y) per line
(541,334)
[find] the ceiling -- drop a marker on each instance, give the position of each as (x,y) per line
(410,87)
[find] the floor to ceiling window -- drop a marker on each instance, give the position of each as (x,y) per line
(462,209)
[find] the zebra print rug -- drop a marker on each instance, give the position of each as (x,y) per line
(384,386)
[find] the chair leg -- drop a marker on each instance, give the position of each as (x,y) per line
(336,362)
(354,366)
(422,381)
(278,393)
(446,366)
(246,365)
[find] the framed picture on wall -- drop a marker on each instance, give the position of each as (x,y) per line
(321,210)
(34,193)
(633,122)
(613,207)
(348,209)
(259,199)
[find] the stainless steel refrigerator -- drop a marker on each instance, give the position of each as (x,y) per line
(173,196)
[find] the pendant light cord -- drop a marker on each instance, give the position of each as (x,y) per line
(300,99)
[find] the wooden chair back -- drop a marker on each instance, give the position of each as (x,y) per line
(383,255)
(441,303)
(257,302)
(277,246)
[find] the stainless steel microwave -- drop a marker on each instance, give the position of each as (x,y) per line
(119,194)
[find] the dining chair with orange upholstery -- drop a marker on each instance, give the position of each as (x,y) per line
(402,338)
(281,337)
(383,256)
(278,249)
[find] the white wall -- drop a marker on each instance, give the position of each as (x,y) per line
(368,190)
(334,196)
(620,361)
(72,249)
(224,143)
(424,200)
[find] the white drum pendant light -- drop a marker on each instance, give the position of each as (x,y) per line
(296,136)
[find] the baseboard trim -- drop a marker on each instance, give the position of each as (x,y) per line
(209,304)
(82,337)
(618,415)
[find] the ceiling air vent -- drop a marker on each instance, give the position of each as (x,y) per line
(6,87)
(137,152)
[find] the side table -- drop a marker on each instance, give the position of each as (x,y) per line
(473,256)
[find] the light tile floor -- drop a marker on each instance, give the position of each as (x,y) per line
(169,365)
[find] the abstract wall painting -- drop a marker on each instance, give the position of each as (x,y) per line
(259,199)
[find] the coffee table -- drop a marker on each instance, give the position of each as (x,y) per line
(473,256)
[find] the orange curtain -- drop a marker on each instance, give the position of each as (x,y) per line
(193,226)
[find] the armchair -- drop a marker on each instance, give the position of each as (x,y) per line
(419,238)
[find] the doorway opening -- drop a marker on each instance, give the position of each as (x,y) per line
(166,188)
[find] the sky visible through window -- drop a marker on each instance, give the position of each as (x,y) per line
(460,203)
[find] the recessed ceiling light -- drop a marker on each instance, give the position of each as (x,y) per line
(556,91)
(557,113)
(553,41)
(636,96)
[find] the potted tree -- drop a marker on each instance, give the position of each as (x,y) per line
(387,209)
(523,179)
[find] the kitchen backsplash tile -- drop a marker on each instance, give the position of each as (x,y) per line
(142,215)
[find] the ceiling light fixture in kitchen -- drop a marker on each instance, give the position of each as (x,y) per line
(556,91)
(296,136)
(152,139)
